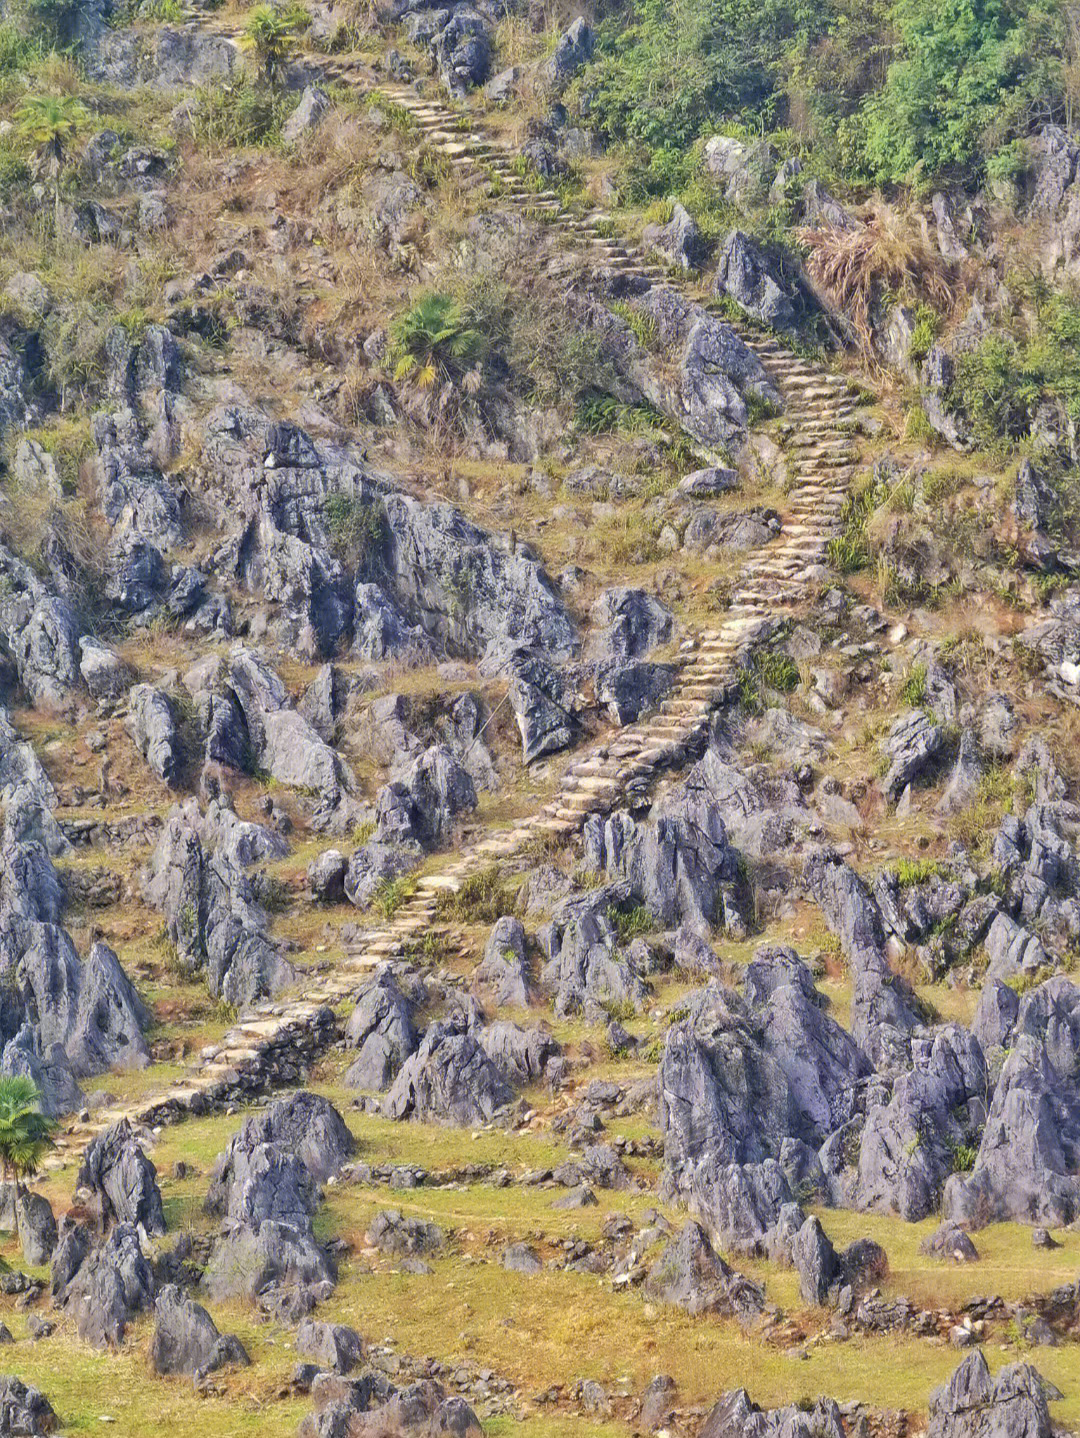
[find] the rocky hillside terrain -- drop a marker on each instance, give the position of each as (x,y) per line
(539,716)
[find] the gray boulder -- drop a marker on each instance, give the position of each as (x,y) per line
(152,725)
(211,913)
(331,1345)
(542,698)
(246,1262)
(1028,1162)
(974,1405)
(521,1055)
(186,1339)
(24,1411)
(112,1286)
(104,673)
(750,277)
(883,1009)
(725,1107)
(909,1143)
(375,864)
(392,1232)
(914,740)
(503,973)
(679,241)
(735,1416)
(815,1261)
(678,863)
(630,623)
(304,1126)
(117,1171)
(312,110)
(381,1031)
(466,591)
(421,806)
(951,1242)
(450,1079)
(691,1275)
(584,967)
(37,1227)
(573,49)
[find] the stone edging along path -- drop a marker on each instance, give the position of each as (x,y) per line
(269,1044)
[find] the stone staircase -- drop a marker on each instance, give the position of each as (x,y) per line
(777,578)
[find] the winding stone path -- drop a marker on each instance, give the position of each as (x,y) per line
(782,575)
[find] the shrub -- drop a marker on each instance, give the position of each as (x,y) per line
(631,923)
(433,340)
(965,69)
(858,268)
(482,899)
(357,527)
(910,872)
(238,116)
(913,689)
(268,34)
(391,894)
(642,326)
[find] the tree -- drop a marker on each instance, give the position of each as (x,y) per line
(970,74)
(25,1134)
(433,340)
(268,35)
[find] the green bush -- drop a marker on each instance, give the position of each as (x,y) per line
(1000,383)
(17,50)
(357,527)
(663,78)
(966,70)
(434,341)
(238,116)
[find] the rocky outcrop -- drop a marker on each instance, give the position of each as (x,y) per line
(211,913)
(305,1126)
(751,278)
(276,1256)
(690,1274)
(24,1411)
(1029,1158)
(110,1288)
(449,1079)
(974,1405)
(584,969)
(909,1144)
(153,727)
(883,1008)
(421,806)
(381,1031)
(503,973)
(116,1170)
(678,863)
(735,1416)
(186,1339)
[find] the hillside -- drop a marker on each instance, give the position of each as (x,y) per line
(539,682)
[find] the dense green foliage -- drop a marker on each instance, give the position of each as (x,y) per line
(1001,383)
(880,92)
(966,72)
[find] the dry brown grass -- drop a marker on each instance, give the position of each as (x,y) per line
(856,268)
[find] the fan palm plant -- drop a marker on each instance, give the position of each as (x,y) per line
(268,35)
(52,123)
(433,340)
(25,1133)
